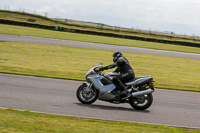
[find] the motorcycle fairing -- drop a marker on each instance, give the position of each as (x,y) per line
(104,90)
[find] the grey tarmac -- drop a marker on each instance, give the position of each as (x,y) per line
(58,96)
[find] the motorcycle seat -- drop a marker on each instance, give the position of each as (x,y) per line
(130,81)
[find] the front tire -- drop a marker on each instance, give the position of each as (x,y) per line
(86,97)
(141,102)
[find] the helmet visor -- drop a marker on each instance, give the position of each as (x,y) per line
(115,59)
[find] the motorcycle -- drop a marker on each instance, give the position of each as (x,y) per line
(99,86)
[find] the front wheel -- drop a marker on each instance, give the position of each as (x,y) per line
(85,95)
(141,102)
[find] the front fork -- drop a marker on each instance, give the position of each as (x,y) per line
(89,87)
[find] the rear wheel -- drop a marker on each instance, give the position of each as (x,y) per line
(86,96)
(141,102)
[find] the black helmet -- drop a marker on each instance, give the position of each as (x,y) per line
(116,55)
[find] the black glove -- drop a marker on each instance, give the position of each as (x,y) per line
(103,68)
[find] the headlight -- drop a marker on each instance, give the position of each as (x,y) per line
(89,73)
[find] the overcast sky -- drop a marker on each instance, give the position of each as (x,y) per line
(179,16)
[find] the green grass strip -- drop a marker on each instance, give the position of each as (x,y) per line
(73,63)
(26,121)
(27,31)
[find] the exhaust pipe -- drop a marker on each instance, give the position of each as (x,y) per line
(135,94)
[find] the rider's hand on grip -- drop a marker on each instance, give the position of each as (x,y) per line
(101,69)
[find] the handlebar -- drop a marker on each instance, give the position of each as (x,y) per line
(97,70)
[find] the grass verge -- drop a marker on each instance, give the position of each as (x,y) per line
(73,63)
(25,121)
(27,31)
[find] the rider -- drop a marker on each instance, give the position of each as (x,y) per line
(123,67)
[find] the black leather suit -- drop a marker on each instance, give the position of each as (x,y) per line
(125,70)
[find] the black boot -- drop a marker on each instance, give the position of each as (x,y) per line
(120,86)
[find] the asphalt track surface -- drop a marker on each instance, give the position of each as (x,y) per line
(57,96)
(58,42)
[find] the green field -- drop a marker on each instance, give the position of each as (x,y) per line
(27,31)
(73,63)
(12,121)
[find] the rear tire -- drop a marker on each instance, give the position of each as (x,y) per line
(86,97)
(141,102)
